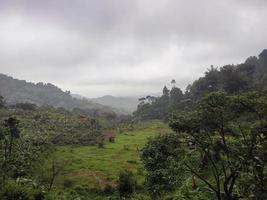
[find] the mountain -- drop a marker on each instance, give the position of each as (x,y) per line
(128,104)
(19,91)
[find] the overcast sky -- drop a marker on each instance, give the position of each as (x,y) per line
(126,47)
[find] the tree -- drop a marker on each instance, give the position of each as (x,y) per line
(18,153)
(165,92)
(153,107)
(26,106)
(212,79)
(263,56)
(173,82)
(2,102)
(92,132)
(232,81)
(126,183)
(176,95)
(161,157)
(56,169)
(11,125)
(229,136)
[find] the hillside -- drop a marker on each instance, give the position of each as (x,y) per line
(251,75)
(20,91)
(129,104)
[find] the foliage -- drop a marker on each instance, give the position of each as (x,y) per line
(232,79)
(2,102)
(161,157)
(26,106)
(61,126)
(14,192)
(20,154)
(126,183)
(228,138)
(158,107)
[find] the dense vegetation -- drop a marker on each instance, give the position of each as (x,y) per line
(214,147)
(232,79)
(219,149)
(221,145)
(57,154)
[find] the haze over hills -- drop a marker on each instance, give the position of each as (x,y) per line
(127,103)
(20,91)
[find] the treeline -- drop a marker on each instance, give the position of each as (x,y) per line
(232,79)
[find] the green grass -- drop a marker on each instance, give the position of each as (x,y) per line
(97,167)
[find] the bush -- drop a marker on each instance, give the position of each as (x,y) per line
(108,189)
(15,192)
(132,161)
(140,197)
(100,142)
(112,139)
(68,183)
(126,183)
(38,195)
(126,147)
(26,106)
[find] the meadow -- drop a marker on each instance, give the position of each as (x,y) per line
(95,168)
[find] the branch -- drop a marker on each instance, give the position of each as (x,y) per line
(201,178)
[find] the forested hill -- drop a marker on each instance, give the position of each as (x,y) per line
(19,91)
(231,79)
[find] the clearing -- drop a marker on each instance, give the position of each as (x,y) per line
(96,167)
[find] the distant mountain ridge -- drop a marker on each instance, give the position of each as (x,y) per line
(20,91)
(129,104)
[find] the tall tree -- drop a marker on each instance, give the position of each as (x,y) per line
(230,137)
(176,95)
(161,158)
(2,102)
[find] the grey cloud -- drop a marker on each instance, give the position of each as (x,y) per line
(99,46)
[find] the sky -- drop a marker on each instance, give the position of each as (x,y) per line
(126,47)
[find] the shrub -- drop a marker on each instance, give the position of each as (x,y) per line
(38,195)
(68,183)
(132,161)
(112,139)
(126,183)
(14,192)
(108,189)
(126,147)
(100,142)
(26,106)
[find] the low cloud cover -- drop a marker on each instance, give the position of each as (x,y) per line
(126,47)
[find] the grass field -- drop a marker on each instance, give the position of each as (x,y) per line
(96,167)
